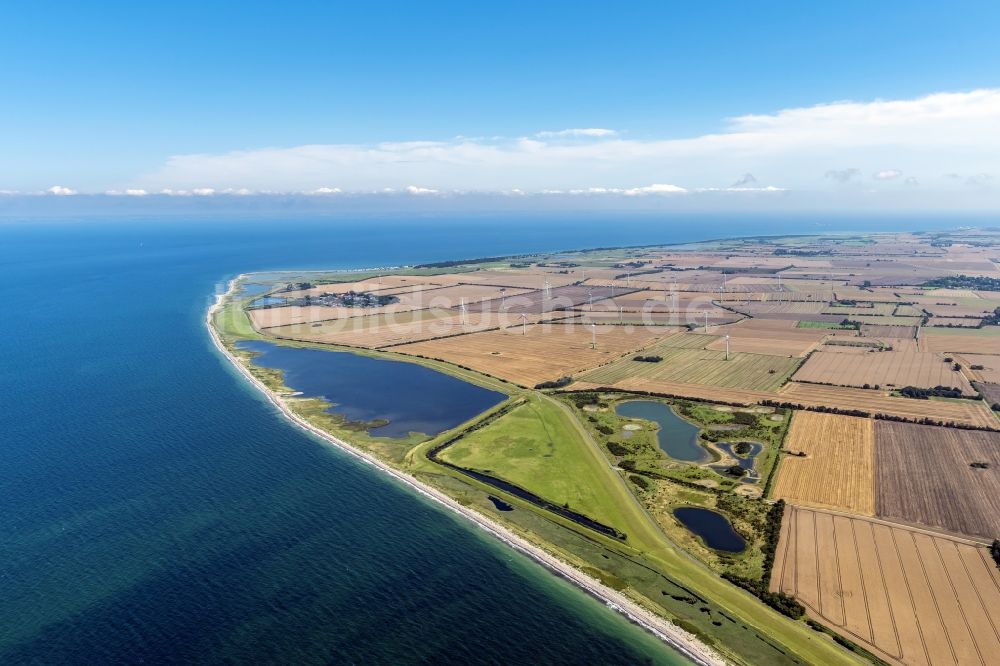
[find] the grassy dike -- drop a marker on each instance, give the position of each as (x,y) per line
(647,567)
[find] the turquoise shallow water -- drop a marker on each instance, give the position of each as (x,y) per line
(156,509)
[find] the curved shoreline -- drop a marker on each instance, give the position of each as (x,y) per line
(678,639)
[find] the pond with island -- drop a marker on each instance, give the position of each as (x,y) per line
(676,437)
(401,398)
(745,455)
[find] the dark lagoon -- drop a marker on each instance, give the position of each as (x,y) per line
(714,528)
(411,397)
(747,462)
(677,438)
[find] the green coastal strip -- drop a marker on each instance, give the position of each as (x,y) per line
(646,569)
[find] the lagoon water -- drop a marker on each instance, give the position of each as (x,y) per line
(157,509)
(411,397)
(677,437)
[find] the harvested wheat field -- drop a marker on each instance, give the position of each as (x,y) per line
(965,412)
(755,372)
(874,331)
(894,369)
(543,353)
(909,597)
(985,340)
(987,366)
(396,328)
(682,390)
(924,475)
(768,336)
(837,471)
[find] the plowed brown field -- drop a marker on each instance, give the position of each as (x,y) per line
(892,369)
(924,475)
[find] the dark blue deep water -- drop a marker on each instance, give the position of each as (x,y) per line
(714,528)
(156,509)
(411,397)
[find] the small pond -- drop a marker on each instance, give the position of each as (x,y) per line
(747,461)
(713,528)
(410,397)
(268,300)
(254,288)
(676,437)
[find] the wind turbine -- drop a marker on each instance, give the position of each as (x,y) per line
(593,336)
(503,296)
(464,320)
(524,324)
(590,297)
(706,321)
(727,346)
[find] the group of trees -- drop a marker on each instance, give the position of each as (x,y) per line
(648,359)
(926,393)
(555,383)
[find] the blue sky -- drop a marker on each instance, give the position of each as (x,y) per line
(105,100)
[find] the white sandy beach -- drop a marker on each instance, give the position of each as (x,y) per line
(663,629)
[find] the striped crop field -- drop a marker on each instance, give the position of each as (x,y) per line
(757,372)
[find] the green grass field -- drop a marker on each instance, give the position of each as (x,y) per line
(537,447)
(701,366)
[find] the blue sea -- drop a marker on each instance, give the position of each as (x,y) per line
(155,509)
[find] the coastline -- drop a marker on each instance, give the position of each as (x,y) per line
(677,638)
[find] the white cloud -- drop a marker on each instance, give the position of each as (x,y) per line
(203,191)
(413,189)
(923,138)
(61,191)
(887,174)
(573,133)
(326,190)
(656,188)
(130,192)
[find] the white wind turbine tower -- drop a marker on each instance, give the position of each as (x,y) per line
(593,336)
(503,296)
(727,346)
(706,321)
(590,297)
(524,324)
(462,309)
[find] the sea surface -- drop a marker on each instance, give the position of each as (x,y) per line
(154,508)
